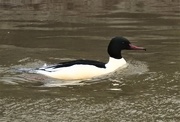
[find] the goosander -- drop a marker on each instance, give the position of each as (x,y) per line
(87,69)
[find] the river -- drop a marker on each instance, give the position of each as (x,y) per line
(35,32)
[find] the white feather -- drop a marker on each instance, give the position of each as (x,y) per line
(80,71)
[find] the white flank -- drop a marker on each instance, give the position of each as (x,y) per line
(77,72)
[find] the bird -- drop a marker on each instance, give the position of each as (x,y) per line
(88,69)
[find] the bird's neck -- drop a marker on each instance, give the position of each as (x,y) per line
(114,63)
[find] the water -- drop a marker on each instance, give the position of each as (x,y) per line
(36,32)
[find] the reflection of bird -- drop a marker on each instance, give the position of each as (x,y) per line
(86,69)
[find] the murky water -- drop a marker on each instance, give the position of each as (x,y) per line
(34,32)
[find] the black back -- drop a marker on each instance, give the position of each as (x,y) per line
(82,62)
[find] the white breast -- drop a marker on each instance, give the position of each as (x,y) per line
(114,64)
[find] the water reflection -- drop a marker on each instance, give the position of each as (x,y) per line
(61,10)
(91,6)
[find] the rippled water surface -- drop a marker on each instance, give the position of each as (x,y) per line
(34,32)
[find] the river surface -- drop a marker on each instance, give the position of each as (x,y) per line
(34,32)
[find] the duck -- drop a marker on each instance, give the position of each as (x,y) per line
(88,69)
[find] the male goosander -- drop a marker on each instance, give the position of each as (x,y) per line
(87,69)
